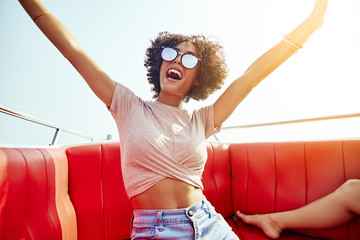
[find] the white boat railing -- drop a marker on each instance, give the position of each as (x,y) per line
(267,124)
(27,117)
(59,129)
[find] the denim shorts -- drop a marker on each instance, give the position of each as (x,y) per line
(199,221)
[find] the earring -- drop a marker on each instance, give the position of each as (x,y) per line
(196,83)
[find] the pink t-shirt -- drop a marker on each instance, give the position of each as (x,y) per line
(159,141)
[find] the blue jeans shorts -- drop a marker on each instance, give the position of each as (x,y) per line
(199,221)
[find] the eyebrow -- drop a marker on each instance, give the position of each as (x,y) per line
(191,52)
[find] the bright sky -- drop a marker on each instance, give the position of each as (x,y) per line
(322,79)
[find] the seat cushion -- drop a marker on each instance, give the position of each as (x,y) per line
(34,203)
(97,192)
(217,178)
(273,177)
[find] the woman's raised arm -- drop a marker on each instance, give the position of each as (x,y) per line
(267,63)
(100,83)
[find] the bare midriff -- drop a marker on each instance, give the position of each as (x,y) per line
(168,194)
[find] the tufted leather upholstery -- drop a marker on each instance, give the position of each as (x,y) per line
(95,185)
(252,178)
(271,177)
(34,203)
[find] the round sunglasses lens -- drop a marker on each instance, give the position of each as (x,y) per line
(189,61)
(168,54)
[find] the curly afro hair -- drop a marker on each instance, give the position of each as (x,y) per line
(213,69)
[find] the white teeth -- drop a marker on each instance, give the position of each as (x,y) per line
(175,71)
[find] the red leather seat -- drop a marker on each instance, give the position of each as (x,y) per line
(97,192)
(36,186)
(272,177)
(34,203)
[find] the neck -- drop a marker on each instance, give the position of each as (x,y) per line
(174,101)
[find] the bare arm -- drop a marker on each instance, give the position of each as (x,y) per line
(267,63)
(100,83)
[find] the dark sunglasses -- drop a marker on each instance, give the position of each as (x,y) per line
(188,60)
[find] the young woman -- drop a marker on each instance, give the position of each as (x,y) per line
(163,148)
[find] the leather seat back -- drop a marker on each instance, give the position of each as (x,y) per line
(34,201)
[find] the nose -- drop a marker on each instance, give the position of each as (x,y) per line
(177,59)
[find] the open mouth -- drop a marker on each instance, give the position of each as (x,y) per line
(174,74)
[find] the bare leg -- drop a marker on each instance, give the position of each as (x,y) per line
(332,210)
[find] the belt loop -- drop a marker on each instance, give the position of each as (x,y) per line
(132,220)
(207,208)
(160,221)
